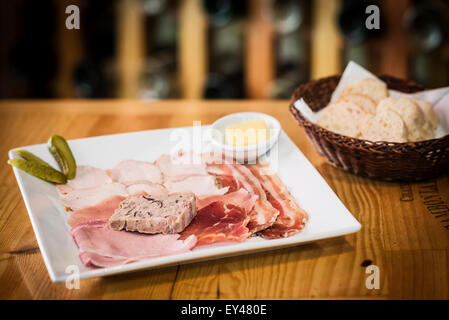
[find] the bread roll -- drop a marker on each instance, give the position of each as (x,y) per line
(375,89)
(342,117)
(386,125)
(427,109)
(410,113)
(362,100)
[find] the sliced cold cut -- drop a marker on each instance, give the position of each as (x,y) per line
(86,177)
(292,218)
(218,222)
(132,171)
(100,246)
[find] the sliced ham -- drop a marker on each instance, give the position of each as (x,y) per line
(78,199)
(180,166)
(292,218)
(131,172)
(201,186)
(240,198)
(218,222)
(153,189)
(264,214)
(100,246)
(86,177)
(105,208)
(101,211)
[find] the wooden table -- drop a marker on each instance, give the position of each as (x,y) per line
(405,229)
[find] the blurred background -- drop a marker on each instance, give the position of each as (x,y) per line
(212,49)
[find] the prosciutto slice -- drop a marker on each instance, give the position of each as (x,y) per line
(86,177)
(131,172)
(100,246)
(292,218)
(264,214)
(81,198)
(218,222)
(241,198)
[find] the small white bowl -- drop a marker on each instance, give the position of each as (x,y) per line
(244,153)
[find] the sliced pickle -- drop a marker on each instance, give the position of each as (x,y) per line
(31,157)
(40,171)
(63,155)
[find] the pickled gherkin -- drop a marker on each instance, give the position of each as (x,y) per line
(61,151)
(38,170)
(31,157)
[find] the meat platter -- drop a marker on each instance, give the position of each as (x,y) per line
(136,204)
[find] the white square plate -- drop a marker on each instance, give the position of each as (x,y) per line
(328,216)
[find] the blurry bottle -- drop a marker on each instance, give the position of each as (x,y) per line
(292,46)
(158,78)
(285,15)
(154,7)
(425,25)
(220,86)
(222,12)
(32,60)
(427,30)
(225,80)
(95,77)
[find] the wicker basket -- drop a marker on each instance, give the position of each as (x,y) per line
(412,161)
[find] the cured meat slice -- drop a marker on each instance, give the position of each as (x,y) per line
(131,172)
(264,214)
(240,198)
(180,166)
(224,175)
(78,199)
(218,222)
(86,177)
(153,189)
(100,246)
(101,211)
(201,186)
(292,218)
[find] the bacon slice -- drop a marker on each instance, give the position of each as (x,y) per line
(264,214)
(218,222)
(292,217)
(131,172)
(78,199)
(86,177)
(100,246)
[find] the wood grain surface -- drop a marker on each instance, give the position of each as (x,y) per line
(405,227)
